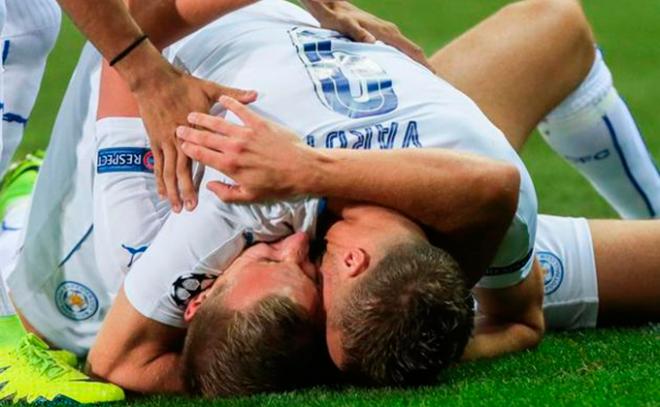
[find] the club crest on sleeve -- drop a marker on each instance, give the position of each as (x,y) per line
(553,271)
(188,286)
(75,301)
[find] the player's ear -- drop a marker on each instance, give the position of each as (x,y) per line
(355,261)
(194,305)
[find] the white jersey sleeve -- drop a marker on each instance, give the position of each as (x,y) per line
(193,248)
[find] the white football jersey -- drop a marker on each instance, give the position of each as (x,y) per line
(335,94)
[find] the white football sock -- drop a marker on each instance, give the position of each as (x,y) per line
(594,130)
(28,36)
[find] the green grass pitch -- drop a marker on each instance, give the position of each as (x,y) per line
(604,367)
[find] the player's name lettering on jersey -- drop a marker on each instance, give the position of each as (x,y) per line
(384,136)
(125,159)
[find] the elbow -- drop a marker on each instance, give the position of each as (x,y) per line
(500,195)
(533,337)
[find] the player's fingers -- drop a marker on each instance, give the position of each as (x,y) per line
(184,177)
(360,34)
(209,157)
(207,139)
(243,96)
(215,124)
(229,193)
(247,116)
(158,170)
(411,49)
(169,176)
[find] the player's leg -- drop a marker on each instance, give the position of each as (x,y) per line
(627,264)
(3,17)
(27,38)
(15,193)
(520,63)
(598,271)
(29,370)
(517,82)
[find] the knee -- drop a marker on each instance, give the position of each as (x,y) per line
(565,18)
(565,24)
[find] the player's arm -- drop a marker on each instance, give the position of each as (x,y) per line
(468,199)
(164,94)
(137,353)
(509,319)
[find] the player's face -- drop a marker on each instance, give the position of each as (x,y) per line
(353,246)
(282,268)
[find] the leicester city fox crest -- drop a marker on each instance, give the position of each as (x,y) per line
(188,286)
(553,271)
(76,301)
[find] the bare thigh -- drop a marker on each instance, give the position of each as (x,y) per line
(628,267)
(520,63)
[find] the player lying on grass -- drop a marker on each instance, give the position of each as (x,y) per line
(586,120)
(582,260)
(529,115)
(84,245)
(347,19)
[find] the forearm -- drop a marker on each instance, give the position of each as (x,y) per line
(442,189)
(137,353)
(157,377)
(498,340)
(466,201)
(510,319)
(168,21)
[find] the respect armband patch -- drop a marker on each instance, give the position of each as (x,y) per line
(125,159)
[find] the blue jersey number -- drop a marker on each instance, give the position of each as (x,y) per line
(349,84)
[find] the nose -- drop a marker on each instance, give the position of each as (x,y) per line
(295,248)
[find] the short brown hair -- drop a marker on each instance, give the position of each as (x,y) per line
(270,347)
(408,319)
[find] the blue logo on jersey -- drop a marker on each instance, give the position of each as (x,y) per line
(553,270)
(134,251)
(125,159)
(75,301)
(349,84)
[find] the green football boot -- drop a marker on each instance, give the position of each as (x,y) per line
(29,373)
(64,356)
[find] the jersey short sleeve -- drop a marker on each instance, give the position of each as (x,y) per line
(515,256)
(194,248)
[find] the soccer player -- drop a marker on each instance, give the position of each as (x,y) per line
(594,119)
(384,138)
(579,46)
(583,286)
(75,301)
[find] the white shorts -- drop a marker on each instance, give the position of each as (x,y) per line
(565,251)
(55,284)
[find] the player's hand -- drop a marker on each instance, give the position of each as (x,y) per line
(165,102)
(265,159)
(361,26)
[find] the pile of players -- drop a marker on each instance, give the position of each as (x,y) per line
(366,215)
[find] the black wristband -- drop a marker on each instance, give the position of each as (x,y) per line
(128,49)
